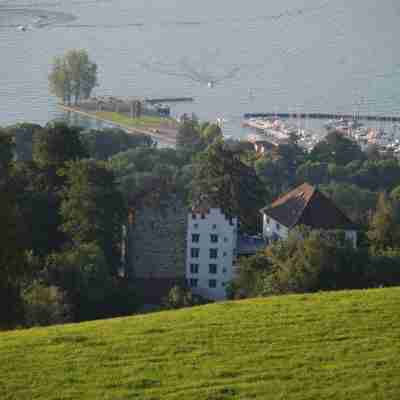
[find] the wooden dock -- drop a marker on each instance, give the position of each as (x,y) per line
(333,116)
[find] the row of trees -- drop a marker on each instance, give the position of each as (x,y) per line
(61,217)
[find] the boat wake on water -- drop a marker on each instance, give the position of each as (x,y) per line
(32,18)
(191,71)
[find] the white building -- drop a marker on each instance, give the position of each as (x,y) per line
(306,206)
(211,252)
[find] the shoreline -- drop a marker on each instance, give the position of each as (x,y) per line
(166,137)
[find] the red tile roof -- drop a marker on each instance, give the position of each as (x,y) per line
(306,205)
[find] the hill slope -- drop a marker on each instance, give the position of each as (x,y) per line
(327,346)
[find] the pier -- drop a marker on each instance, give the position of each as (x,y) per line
(161,134)
(170,100)
(379,118)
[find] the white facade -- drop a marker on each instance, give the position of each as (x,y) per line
(211,252)
(273,230)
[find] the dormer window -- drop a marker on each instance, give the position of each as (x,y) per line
(278,227)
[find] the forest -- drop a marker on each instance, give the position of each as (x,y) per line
(66,192)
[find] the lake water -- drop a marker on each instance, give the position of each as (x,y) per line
(287,55)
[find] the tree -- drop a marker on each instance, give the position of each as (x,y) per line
(23,138)
(92,208)
(313,260)
(180,297)
(189,139)
(336,148)
(73,76)
(384,230)
(210,133)
(103,144)
(313,172)
(45,305)
(38,202)
(357,203)
(250,278)
(82,273)
(12,248)
(230,184)
(58,143)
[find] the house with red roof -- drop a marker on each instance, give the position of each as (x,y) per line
(307,206)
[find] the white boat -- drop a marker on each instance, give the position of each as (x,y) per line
(22,28)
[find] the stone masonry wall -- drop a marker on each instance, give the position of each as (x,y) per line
(157,242)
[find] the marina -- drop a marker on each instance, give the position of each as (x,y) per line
(281,128)
(323,116)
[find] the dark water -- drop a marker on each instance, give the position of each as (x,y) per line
(287,55)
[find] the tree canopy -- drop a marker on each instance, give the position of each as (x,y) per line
(92,208)
(58,143)
(337,148)
(73,76)
(230,184)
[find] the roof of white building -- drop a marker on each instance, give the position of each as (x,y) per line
(306,205)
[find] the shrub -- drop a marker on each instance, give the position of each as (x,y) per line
(179,297)
(45,305)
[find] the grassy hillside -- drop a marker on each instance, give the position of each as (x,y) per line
(326,346)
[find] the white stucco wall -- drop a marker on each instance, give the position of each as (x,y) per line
(214,223)
(272,228)
(352,237)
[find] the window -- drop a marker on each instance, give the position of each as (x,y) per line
(195,238)
(213,253)
(225,239)
(214,226)
(194,216)
(194,252)
(212,268)
(268,221)
(193,283)
(278,227)
(194,268)
(203,216)
(212,283)
(214,238)
(195,226)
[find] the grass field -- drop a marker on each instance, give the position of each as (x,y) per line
(143,122)
(343,345)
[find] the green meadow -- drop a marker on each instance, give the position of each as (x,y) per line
(145,121)
(343,345)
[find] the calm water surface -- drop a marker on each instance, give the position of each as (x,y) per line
(287,55)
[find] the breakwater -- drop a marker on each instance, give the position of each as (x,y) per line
(169,100)
(334,116)
(162,136)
